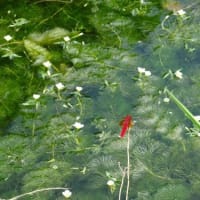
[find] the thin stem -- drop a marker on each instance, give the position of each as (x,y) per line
(34,117)
(80,105)
(128,164)
(33,128)
(122,180)
(53,151)
(36,191)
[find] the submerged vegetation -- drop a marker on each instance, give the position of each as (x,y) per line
(70,71)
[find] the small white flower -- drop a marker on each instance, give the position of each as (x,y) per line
(78,88)
(36,96)
(141,70)
(78,125)
(180,12)
(147,73)
(60,86)
(8,38)
(110,183)
(178,74)
(166,100)
(47,64)
(66,38)
(67,193)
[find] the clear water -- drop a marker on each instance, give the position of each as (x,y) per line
(71,72)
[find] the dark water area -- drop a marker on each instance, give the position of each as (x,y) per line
(71,71)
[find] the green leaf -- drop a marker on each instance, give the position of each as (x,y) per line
(185,110)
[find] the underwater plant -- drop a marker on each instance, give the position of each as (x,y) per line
(73,68)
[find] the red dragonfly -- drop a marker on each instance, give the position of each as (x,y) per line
(126,123)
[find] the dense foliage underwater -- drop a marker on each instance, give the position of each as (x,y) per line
(71,71)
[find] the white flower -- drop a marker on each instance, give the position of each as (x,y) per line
(78,88)
(66,38)
(47,64)
(141,70)
(166,100)
(67,193)
(147,73)
(110,183)
(8,38)
(180,12)
(178,74)
(60,86)
(36,96)
(78,125)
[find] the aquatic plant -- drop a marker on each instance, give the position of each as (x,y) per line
(73,69)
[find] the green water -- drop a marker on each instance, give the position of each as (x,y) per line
(70,71)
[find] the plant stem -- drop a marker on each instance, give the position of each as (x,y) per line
(36,191)
(33,128)
(128,164)
(123,171)
(122,183)
(80,105)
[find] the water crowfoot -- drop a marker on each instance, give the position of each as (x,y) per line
(78,88)
(178,74)
(36,96)
(60,86)
(143,71)
(111,185)
(78,125)
(8,38)
(67,193)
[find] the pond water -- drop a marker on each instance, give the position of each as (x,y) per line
(71,71)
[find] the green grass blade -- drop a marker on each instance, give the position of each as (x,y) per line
(187,113)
